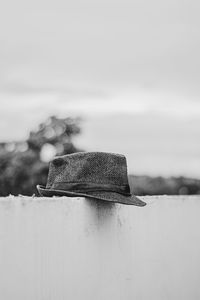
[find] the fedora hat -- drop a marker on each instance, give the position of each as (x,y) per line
(97,175)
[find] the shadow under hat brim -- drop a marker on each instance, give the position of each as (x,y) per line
(105,196)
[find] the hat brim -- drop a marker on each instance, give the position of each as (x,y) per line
(105,196)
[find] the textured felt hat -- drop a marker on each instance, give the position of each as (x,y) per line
(96,175)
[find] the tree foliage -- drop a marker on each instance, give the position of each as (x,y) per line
(22,166)
(146,185)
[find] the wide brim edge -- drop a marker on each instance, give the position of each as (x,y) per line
(128,200)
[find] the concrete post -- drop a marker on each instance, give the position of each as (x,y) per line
(72,248)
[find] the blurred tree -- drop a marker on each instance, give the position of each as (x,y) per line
(57,132)
(25,164)
(146,185)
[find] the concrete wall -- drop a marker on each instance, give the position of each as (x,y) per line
(72,248)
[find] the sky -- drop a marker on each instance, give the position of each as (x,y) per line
(130,69)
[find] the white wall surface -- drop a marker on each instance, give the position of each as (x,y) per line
(72,248)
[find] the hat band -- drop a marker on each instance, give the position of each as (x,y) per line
(91,187)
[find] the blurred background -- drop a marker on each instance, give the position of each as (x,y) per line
(113,76)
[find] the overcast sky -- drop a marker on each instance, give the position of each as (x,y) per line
(104,59)
(92,46)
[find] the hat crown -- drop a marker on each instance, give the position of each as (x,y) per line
(88,167)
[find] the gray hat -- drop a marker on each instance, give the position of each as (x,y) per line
(97,175)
